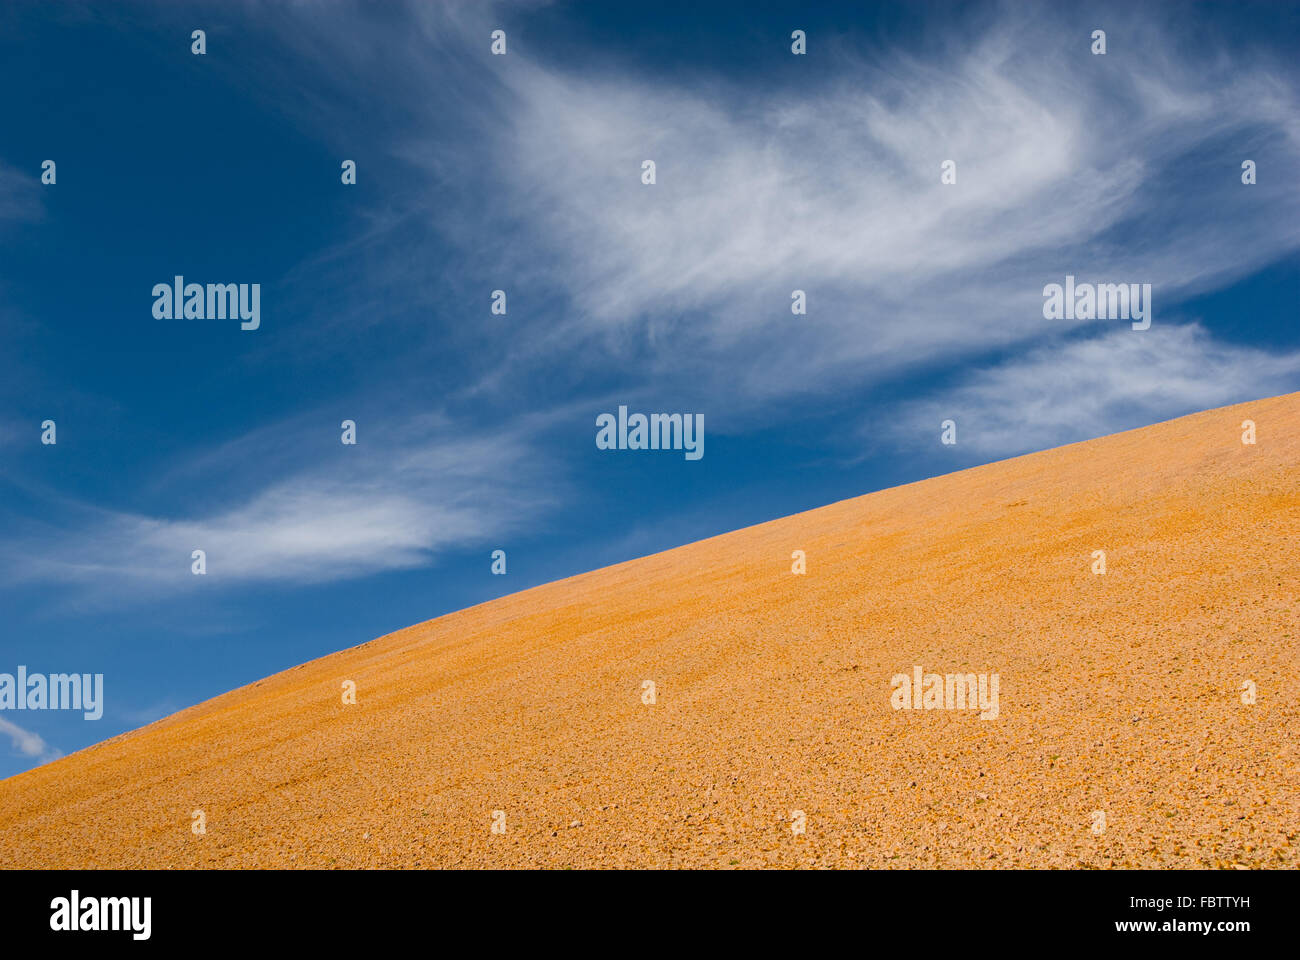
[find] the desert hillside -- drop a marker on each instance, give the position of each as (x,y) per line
(1118,694)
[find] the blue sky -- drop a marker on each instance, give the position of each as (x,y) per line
(476,172)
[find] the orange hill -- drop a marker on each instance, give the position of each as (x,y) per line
(1119,694)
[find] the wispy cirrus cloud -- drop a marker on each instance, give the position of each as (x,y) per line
(1124,166)
(29,744)
(1066,163)
(396,500)
(1063,393)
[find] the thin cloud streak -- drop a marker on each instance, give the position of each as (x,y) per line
(27,743)
(1061,394)
(396,506)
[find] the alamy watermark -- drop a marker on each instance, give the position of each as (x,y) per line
(74,913)
(214,301)
(1103,301)
(952,691)
(658,431)
(58,691)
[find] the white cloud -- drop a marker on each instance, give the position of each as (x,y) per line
(1123,168)
(1125,379)
(394,501)
(27,743)
(1063,166)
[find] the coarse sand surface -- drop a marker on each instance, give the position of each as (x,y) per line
(1123,694)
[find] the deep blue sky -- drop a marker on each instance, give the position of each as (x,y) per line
(522,172)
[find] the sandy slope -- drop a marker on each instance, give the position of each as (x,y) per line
(1119,693)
